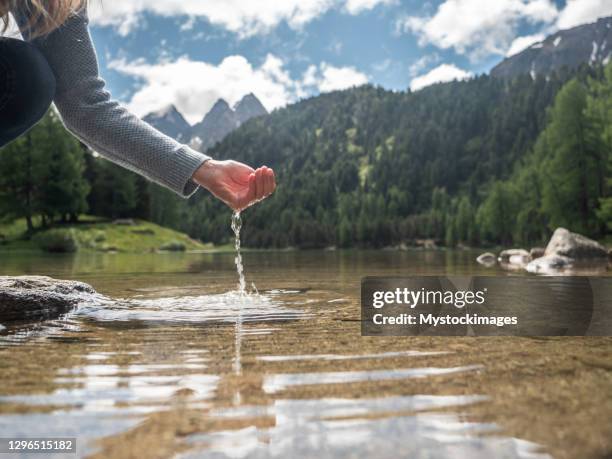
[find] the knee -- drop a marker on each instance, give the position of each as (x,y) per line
(29,86)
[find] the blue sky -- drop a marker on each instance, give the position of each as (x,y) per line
(191,52)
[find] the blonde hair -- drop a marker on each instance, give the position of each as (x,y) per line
(44,15)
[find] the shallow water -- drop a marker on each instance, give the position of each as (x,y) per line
(181,364)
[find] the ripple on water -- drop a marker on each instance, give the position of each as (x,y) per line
(382,355)
(96,400)
(98,388)
(342,428)
(278,382)
(225,307)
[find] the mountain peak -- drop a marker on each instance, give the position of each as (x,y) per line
(221,104)
(249,107)
(169,109)
(170,121)
(584,44)
(250,97)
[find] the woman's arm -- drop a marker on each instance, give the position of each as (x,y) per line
(101,123)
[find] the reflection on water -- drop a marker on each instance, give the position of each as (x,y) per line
(287,358)
(182,362)
(279,382)
(100,388)
(83,425)
(343,428)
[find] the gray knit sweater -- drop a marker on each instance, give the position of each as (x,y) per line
(101,123)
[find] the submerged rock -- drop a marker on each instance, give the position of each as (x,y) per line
(487,259)
(575,246)
(37,297)
(549,264)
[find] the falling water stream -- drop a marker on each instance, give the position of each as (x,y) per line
(236,226)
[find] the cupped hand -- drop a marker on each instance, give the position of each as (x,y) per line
(236,184)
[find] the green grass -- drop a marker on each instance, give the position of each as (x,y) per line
(94,234)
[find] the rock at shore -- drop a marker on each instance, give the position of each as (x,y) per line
(537,252)
(549,264)
(575,246)
(39,297)
(565,251)
(487,259)
(514,256)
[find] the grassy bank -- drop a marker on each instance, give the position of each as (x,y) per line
(94,234)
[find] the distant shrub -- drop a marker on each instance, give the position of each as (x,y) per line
(174,246)
(57,241)
(90,239)
(144,231)
(99,236)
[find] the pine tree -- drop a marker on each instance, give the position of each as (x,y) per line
(497,214)
(599,114)
(571,170)
(63,188)
(20,175)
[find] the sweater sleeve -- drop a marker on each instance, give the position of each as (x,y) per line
(104,125)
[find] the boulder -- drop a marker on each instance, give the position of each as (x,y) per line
(39,297)
(517,267)
(549,264)
(514,256)
(428,244)
(487,259)
(572,245)
(537,252)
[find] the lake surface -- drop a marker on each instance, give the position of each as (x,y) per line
(179,365)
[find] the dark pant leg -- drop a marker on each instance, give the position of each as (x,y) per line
(27,88)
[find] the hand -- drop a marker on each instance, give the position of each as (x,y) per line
(234,183)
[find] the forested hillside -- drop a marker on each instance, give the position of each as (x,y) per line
(370,167)
(473,162)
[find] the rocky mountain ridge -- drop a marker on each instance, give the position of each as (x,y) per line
(588,43)
(216,124)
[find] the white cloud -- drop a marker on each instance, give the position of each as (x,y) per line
(441,74)
(194,86)
(417,66)
(357,6)
(578,12)
(245,18)
(382,66)
(521,43)
(188,24)
(336,47)
(328,78)
(477,27)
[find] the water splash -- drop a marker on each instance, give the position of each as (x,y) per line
(236,226)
